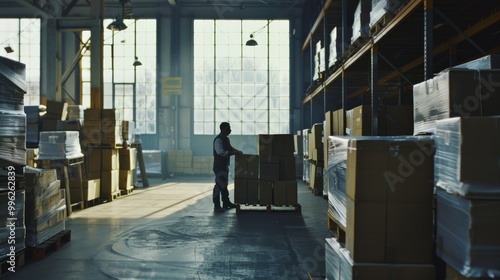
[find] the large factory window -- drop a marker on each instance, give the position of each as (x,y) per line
(128,86)
(245,85)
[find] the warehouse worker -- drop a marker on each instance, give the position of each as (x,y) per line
(222,151)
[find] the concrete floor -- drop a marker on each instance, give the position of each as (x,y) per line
(169,231)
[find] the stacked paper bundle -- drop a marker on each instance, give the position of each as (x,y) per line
(59,145)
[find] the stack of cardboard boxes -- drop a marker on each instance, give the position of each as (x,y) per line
(389,200)
(316,158)
(102,130)
(127,162)
(268,178)
(203,165)
(12,158)
(393,120)
(180,161)
(45,205)
(334,124)
(468,196)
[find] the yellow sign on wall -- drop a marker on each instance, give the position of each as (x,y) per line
(172,85)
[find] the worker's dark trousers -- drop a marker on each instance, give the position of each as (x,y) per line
(220,188)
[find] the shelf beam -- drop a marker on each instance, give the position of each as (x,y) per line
(409,8)
(317,23)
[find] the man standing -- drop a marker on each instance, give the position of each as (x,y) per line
(222,152)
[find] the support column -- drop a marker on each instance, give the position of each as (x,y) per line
(374,89)
(96,56)
(48,80)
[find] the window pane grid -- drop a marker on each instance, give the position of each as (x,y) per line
(120,49)
(243,77)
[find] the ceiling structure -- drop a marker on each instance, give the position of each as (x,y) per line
(141,8)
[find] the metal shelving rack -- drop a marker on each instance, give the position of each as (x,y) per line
(423,38)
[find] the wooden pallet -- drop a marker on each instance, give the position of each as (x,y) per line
(127,190)
(381,23)
(336,228)
(49,246)
(268,209)
(7,265)
(110,197)
(354,47)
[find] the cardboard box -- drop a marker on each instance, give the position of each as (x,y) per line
(287,169)
(269,171)
(390,169)
(339,122)
(57,110)
(92,115)
(240,191)
(366,231)
(252,191)
(409,232)
(340,266)
(316,177)
(315,138)
(92,159)
(367,271)
(279,193)
(110,182)
(91,190)
(246,166)
(265,192)
(467,156)
(127,158)
(455,93)
(110,159)
(276,145)
(291,193)
(361,122)
(126,179)
(467,233)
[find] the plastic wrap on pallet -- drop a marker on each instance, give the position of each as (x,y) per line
(14,72)
(16,211)
(153,161)
(48,219)
(306,170)
(337,168)
(491,61)
(34,239)
(467,156)
(360,25)
(6,185)
(332,258)
(305,142)
(12,138)
(36,208)
(59,145)
(12,222)
(468,234)
(41,183)
(20,238)
(381,7)
(455,93)
(335,47)
(339,266)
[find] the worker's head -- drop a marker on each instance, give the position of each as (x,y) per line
(225,128)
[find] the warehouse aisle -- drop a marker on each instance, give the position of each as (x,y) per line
(169,231)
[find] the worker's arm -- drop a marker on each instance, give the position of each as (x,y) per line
(219,149)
